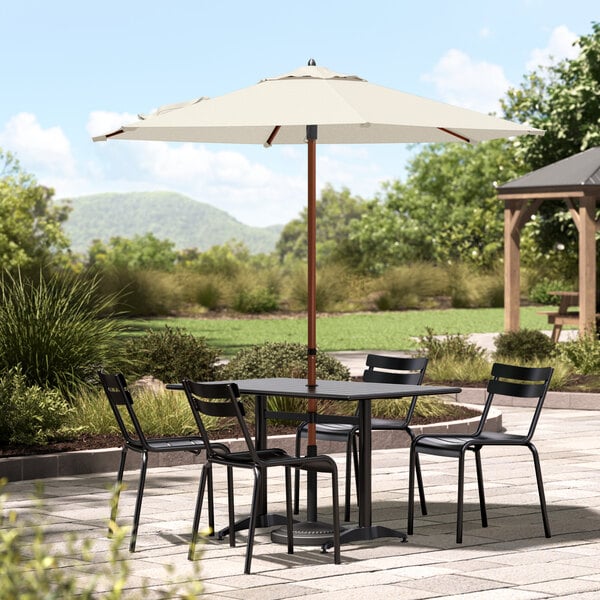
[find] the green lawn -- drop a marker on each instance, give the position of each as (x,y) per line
(371,331)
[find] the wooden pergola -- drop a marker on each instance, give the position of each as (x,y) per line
(576,180)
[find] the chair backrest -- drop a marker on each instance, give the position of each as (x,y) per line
(217,400)
(518,382)
(120,399)
(398,369)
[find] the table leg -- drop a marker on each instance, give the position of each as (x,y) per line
(366,530)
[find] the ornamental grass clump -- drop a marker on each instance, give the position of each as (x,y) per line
(58,329)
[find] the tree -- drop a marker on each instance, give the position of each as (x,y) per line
(335,211)
(563,100)
(30,224)
(138,253)
(446,211)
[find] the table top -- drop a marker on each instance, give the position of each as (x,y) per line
(334,390)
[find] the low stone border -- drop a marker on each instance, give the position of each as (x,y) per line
(64,464)
(40,466)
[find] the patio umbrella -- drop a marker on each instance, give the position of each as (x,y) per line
(309,104)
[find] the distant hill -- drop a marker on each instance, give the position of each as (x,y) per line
(168,215)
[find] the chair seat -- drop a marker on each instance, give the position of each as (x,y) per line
(388,424)
(241,458)
(330,431)
(173,444)
(452,445)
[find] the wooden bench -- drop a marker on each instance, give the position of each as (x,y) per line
(562,316)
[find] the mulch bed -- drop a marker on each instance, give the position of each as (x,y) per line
(91,442)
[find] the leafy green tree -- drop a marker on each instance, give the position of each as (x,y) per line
(335,211)
(563,100)
(142,252)
(30,224)
(446,211)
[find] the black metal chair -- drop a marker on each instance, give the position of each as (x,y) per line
(398,370)
(507,380)
(134,439)
(221,400)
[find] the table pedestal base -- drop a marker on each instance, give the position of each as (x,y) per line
(308,533)
(364,534)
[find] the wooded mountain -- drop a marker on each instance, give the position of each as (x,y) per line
(167,215)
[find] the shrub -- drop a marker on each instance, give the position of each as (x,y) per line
(583,353)
(208,292)
(57,330)
(332,288)
(471,289)
(410,286)
(255,301)
(453,346)
(283,359)
(142,293)
(172,355)
(29,414)
(524,345)
(540,291)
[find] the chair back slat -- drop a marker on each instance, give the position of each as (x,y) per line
(119,396)
(203,398)
(403,370)
(514,389)
(517,382)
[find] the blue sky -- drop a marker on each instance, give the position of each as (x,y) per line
(72,69)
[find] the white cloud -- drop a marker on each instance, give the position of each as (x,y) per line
(560,46)
(38,148)
(463,81)
(102,121)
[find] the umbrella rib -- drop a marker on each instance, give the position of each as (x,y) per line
(456,135)
(273,135)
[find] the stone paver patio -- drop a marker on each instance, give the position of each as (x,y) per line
(510,559)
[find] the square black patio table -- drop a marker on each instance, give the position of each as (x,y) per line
(364,393)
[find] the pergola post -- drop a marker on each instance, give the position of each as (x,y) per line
(587,264)
(512,265)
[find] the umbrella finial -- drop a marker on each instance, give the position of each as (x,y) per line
(312,62)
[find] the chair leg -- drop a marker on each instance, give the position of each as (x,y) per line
(297,477)
(231,507)
(411,489)
(288,510)
(420,485)
(482,507)
(356,466)
(206,473)
(540,484)
(118,487)
(460,499)
(211,502)
(336,519)
(347,492)
(138,502)
(252,520)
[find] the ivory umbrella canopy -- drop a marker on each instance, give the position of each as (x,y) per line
(308,105)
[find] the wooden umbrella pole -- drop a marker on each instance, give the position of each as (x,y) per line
(311,134)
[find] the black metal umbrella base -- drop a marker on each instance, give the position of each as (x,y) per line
(307,533)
